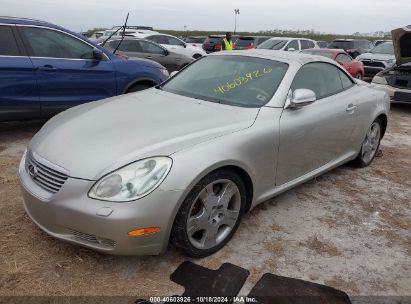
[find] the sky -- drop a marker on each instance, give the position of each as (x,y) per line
(329,16)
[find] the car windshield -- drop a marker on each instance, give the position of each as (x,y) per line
(319,53)
(235,80)
(384,48)
(345,45)
(272,44)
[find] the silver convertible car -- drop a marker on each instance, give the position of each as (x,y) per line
(181,163)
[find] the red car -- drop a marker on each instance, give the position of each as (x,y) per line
(354,67)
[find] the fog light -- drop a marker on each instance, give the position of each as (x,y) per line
(143,231)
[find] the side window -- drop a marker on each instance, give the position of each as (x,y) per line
(148,47)
(293,45)
(8,45)
(174,41)
(322,78)
(54,44)
(158,38)
(346,81)
(129,46)
(343,58)
(305,44)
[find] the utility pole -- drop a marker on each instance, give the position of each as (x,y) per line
(236,12)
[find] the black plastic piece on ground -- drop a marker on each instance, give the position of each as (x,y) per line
(274,289)
(200,281)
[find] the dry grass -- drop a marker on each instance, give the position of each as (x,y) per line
(321,247)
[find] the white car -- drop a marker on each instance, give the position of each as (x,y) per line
(175,45)
(378,59)
(288,44)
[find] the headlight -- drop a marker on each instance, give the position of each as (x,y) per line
(379,80)
(390,62)
(164,72)
(133,181)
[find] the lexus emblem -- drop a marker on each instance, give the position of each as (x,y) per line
(32,170)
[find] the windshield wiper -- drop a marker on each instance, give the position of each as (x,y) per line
(122,36)
(112,34)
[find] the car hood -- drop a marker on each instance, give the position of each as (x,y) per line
(96,138)
(373,56)
(401,39)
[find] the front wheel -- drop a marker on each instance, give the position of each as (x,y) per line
(210,214)
(370,145)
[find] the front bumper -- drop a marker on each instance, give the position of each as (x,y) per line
(397,95)
(72,216)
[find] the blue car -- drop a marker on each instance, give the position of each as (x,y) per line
(45,69)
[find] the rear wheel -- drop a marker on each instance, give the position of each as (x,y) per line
(210,214)
(370,145)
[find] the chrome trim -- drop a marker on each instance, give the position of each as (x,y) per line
(63,32)
(14,56)
(45,174)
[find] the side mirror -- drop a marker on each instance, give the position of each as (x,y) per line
(184,45)
(173,73)
(166,53)
(302,97)
(98,54)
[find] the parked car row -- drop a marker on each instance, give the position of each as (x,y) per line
(45,69)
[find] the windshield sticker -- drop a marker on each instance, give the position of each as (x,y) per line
(240,81)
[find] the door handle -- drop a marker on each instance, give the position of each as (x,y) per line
(47,68)
(178,59)
(149,57)
(351,107)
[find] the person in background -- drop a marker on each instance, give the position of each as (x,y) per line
(227,44)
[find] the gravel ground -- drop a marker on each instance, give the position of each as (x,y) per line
(349,229)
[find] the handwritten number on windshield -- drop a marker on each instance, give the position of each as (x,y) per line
(240,81)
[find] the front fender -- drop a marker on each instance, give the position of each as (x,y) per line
(253,150)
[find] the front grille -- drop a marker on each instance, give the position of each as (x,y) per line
(90,238)
(375,64)
(45,177)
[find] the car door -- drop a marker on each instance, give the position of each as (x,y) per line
(66,70)
(174,43)
(19,96)
(320,134)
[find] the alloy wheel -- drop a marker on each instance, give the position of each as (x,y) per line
(214,214)
(371,142)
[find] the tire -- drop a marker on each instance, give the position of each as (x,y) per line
(210,214)
(137,87)
(370,145)
(196,56)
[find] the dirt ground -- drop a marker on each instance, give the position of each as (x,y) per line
(349,229)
